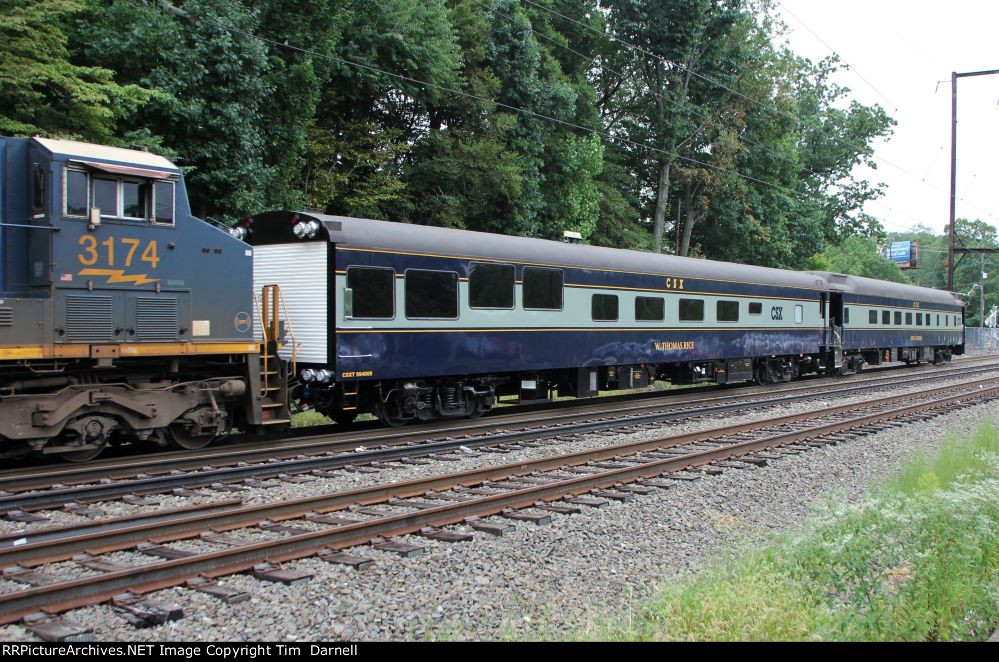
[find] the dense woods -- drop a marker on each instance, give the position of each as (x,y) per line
(678,124)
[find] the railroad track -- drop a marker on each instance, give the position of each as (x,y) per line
(326,438)
(72,487)
(484,499)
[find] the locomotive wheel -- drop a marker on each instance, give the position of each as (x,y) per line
(389,417)
(85,455)
(179,437)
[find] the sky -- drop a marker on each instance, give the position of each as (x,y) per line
(901,55)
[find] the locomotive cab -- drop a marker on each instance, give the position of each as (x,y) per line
(109,331)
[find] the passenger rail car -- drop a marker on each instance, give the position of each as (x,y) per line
(881,322)
(122,316)
(414,322)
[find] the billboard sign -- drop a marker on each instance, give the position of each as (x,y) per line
(904,253)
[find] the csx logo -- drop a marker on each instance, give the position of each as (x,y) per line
(777,313)
(674,283)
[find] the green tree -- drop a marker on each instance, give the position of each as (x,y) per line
(213,79)
(42,92)
(968,272)
(670,42)
(857,256)
(367,122)
(484,165)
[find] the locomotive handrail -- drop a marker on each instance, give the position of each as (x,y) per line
(263,339)
(54,228)
(270,322)
(291,331)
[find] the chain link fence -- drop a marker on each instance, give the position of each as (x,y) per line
(981,340)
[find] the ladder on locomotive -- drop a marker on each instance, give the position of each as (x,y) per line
(275,409)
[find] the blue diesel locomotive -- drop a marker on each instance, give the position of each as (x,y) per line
(123,317)
(413,322)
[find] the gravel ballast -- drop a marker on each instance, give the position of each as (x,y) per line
(534,580)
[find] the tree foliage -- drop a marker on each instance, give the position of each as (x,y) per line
(42,92)
(931,270)
(611,118)
(858,256)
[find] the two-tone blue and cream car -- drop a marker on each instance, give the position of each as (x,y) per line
(416,322)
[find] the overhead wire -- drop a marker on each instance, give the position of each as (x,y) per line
(767,106)
(285,44)
(853,69)
(684,107)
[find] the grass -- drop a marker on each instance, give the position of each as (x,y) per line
(307,418)
(919,560)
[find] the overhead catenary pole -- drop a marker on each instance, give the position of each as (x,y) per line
(953,167)
(981,293)
(953,179)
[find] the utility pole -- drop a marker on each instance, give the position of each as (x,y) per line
(981,294)
(953,176)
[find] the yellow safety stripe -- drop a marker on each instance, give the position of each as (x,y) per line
(607,328)
(77,351)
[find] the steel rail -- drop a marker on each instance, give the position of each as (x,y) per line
(46,551)
(224,455)
(165,482)
(154,576)
(21,539)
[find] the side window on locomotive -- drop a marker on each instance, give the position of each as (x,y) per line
(846,315)
(133,200)
(430,294)
(542,288)
(38,188)
(898,317)
(727,311)
(106,196)
(919,319)
(938,320)
(491,286)
(886,317)
(799,314)
(604,307)
(373,292)
(755,308)
(650,309)
(163,203)
(872,317)
(908,319)
(691,310)
(77,193)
